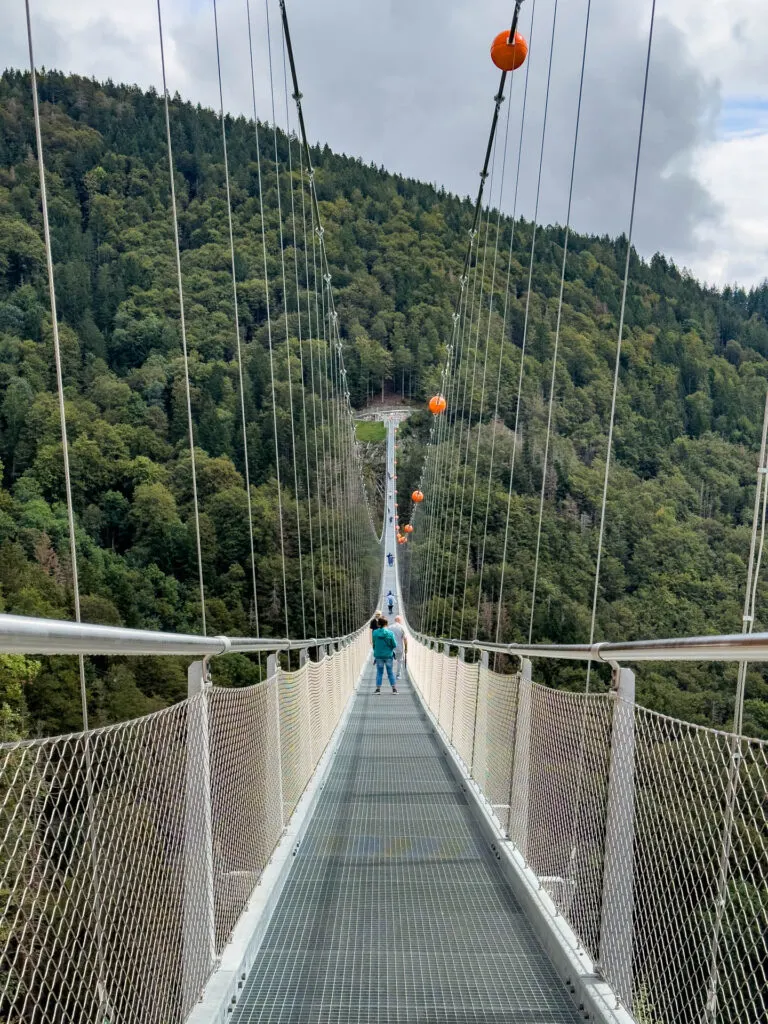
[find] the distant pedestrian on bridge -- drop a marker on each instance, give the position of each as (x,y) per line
(398,631)
(375,622)
(390,602)
(384,647)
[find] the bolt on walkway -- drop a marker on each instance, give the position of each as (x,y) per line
(395,910)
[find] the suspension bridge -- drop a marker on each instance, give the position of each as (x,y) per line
(475,847)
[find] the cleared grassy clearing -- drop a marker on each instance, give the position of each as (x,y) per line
(370,431)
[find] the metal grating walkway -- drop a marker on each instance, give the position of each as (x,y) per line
(395,910)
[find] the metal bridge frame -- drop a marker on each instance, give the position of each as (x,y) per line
(20,634)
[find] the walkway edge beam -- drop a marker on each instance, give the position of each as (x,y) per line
(592,994)
(226,983)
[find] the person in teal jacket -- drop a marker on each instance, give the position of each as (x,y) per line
(384,647)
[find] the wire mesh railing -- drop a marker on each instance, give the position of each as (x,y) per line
(650,835)
(128,853)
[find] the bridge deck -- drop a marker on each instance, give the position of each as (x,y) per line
(395,910)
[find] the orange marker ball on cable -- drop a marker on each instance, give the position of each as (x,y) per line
(506,57)
(437,405)
(409,528)
(417,496)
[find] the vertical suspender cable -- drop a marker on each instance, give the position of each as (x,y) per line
(182,321)
(482,396)
(559,321)
(285,317)
(334,336)
(736,752)
(521,374)
(504,320)
(269,318)
(57,361)
(581,767)
(318,486)
(481,554)
(104,1007)
(617,365)
(301,362)
(237,324)
(478,203)
(482,400)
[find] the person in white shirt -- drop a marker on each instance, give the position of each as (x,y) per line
(402,643)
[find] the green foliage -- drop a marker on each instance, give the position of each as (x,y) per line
(126,400)
(370,431)
(693,378)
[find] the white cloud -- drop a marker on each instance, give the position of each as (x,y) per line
(736,249)
(409,85)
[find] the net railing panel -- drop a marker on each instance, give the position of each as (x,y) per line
(246,729)
(494,738)
(689,782)
(686,865)
(295,736)
(464,710)
(563,837)
(128,854)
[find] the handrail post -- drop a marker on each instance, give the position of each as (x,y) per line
(445,662)
(484,660)
(616,924)
(199,920)
(273,669)
(461,657)
(519,795)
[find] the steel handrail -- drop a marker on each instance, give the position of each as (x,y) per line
(721,647)
(21,634)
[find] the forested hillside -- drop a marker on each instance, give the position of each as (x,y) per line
(694,374)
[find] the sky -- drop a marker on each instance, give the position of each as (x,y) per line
(408,84)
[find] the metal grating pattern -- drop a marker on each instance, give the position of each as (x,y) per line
(127,854)
(668,893)
(395,910)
